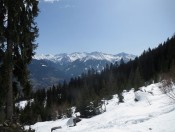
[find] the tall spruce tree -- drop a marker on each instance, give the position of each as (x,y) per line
(19,30)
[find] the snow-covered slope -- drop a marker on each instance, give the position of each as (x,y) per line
(154,112)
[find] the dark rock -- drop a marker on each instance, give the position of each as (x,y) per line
(77,119)
(54,128)
(136,100)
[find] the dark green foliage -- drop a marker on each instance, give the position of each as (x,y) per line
(120,97)
(18,32)
(33,112)
(90,109)
(2,115)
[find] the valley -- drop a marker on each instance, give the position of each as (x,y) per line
(47,70)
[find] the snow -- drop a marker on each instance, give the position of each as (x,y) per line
(23,104)
(83,56)
(43,65)
(154,111)
(76,56)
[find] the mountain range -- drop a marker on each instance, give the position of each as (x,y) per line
(49,69)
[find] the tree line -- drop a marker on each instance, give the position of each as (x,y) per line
(86,91)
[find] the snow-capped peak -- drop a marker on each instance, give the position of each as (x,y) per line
(83,56)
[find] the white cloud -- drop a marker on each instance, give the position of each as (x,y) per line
(68,6)
(50,1)
(61,6)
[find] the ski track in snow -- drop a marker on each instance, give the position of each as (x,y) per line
(154,112)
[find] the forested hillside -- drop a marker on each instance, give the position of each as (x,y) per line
(87,91)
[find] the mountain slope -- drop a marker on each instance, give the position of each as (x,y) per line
(154,111)
(47,70)
(66,58)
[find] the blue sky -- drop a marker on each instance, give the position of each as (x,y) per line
(109,26)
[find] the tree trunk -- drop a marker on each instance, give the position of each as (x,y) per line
(9,81)
(9,65)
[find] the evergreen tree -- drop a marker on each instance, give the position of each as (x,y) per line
(19,30)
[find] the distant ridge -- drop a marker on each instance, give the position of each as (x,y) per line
(49,69)
(84,56)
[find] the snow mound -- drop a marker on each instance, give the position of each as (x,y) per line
(153,111)
(23,104)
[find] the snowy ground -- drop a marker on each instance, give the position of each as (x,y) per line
(22,104)
(154,112)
